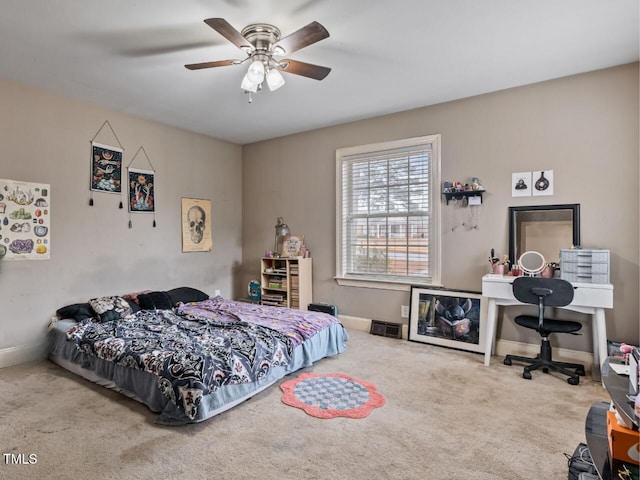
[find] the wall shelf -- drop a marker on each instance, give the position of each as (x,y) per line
(463,194)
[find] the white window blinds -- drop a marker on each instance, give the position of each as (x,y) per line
(386,215)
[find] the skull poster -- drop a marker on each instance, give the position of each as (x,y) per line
(196,225)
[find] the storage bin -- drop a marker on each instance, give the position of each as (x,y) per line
(585,266)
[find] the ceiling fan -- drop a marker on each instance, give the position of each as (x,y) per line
(262,44)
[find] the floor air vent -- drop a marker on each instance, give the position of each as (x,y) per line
(386,329)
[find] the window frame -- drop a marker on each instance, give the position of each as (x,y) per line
(435,203)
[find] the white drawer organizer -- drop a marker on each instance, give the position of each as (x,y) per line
(584,266)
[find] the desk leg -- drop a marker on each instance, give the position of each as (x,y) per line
(492,315)
(600,352)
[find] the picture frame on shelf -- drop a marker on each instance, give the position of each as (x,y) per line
(292,245)
(448,318)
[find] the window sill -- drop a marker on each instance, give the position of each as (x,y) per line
(379,284)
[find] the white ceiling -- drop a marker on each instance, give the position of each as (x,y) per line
(386,56)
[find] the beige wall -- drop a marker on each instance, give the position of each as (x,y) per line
(45,138)
(584,127)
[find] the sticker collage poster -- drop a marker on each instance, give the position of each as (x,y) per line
(25,220)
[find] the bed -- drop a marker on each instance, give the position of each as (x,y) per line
(189,357)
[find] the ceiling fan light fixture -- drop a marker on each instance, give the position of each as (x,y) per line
(274,79)
(256,72)
(248,85)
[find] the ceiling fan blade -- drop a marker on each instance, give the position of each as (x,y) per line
(312,33)
(305,69)
(225,29)
(219,63)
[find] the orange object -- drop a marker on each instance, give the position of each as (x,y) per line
(624,444)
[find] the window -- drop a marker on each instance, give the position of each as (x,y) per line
(388,213)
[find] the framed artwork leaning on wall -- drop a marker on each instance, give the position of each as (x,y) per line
(449,318)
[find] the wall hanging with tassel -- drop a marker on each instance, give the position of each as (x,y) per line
(142,189)
(106,166)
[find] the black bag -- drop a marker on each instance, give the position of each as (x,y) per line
(580,461)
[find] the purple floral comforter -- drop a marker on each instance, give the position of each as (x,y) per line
(297,325)
(197,348)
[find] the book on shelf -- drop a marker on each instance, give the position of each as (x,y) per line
(277,282)
(273,297)
(274,304)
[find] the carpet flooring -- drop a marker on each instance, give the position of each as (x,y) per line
(446,416)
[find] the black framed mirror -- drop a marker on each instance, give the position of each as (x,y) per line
(544,229)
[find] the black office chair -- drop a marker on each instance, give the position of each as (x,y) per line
(545,292)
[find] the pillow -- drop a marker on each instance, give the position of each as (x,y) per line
(155,300)
(77,311)
(133,305)
(134,296)
(186,295)
(110,308)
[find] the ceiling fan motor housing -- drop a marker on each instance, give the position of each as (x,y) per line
(263,37)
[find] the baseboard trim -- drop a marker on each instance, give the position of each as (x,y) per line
(22,354)
(503,347)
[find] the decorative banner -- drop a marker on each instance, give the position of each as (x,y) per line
(106,168)
(141,191)
(25,215)
(196,225)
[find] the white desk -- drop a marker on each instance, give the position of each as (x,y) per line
(589,298)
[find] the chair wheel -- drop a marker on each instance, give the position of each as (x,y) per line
(545,370)
(507,361)
(573,380)
(580,371)
(526,375)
